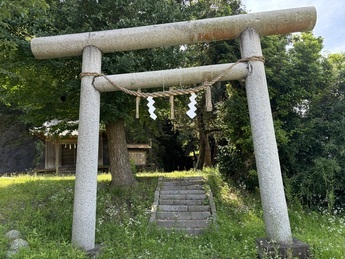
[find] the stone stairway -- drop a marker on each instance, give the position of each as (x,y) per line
(184,204)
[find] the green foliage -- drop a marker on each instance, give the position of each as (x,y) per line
(41,209)
(11,10)
(235,156)
(307,93)
(320,163)
(50,89)
(312,155)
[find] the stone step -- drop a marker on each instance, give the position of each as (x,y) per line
(182,202)
(182,182)
(184,179)
(185,187)
(184,215)
(182,196)
(190,208)
(177,191)
(183,223)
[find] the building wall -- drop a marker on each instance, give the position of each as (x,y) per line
(65,150)
(50,152)
(18,148)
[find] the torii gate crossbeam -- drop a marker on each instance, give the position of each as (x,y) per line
(190,32)
(247,27)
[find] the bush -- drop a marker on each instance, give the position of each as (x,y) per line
(231,165)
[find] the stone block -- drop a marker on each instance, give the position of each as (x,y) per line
(199,208)
(96,252)
(173,208)
(183,196)
(270,249)
(176,191)
(184,215)
(181,202)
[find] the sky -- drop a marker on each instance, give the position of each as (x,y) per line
(330,24)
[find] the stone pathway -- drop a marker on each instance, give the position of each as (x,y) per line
(184,204)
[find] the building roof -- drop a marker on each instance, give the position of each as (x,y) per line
(56,129)
(138,146)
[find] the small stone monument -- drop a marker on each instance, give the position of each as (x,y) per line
(16,242)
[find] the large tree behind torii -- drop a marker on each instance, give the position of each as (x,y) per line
(55,88)
(78,16)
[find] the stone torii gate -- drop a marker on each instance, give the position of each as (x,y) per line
(248,28)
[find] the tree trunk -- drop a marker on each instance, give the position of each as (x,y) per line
(120,169)
(205,156)
(208,155)
(201,157)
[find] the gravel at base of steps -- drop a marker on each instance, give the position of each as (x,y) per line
(183,204)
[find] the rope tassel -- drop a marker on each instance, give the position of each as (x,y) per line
(208,98)
(137,103)
(172,108)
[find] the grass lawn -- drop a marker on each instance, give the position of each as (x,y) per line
(40,207)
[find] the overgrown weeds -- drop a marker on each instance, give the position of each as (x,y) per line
(41,208)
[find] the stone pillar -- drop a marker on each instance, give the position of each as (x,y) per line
(265,146)
(84,213)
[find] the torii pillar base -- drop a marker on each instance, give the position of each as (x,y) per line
(270,249)
(95,252)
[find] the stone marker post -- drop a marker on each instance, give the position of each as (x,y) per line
(85,194)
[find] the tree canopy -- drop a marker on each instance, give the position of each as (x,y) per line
(47,90)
